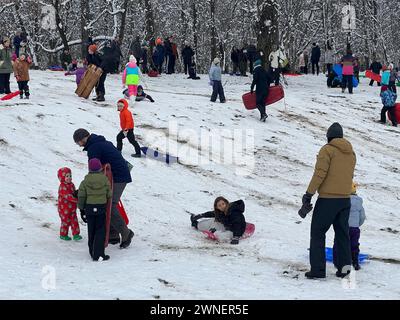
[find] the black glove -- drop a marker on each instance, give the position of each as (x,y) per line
(235,240)
(213,230)
(76,193)
(193,219)
(305,208)
(307,198)
(83,216)
(251,91)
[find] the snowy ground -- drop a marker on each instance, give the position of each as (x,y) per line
(167,258)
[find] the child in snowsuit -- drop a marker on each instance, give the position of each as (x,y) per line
(356,219)
(228,216)
(389,101)
(21,72)
(141,95)
(262,80)
(215,78)
(94,192)
(78,72)
(67,202)
(127,125)
(130,77)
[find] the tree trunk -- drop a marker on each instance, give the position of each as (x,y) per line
(213,31)
(123,21)
(195,35)
(267,27)
(60,26)
(85,12)
(149,22)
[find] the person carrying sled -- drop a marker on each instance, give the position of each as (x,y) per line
(131,77)
(261,80)
(127,124)
(389,102)
(98,147)
(94,58)
(21,72)
(356,220)
(228,216)
(94,192)
(67,203)
(333,178)
(215,79)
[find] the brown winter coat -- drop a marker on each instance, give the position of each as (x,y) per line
(333,173)
(21,70)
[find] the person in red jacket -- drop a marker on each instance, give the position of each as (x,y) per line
(67,204)
(127,124)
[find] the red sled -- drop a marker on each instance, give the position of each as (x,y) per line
(396,112)
(373,76)
(153,74)
(275,94)
(122,212)
(10,95)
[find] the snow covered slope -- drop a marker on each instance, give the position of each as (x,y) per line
(167,258)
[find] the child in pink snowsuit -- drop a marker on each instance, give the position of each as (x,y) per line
(67,203)
(130,77)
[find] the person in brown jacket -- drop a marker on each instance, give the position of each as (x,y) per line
(21,72)
(333,176)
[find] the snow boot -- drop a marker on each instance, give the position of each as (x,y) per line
(66,238)
(354,258)
(103,258)
(309,275)
(100,97)
(77,237)
(136,155)
(126,243)
(235,240)
(114,241)
(342,274)
(264,117)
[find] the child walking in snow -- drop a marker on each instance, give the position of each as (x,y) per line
(67,203)
(389,101)
(228,216)
(356,219)
(21,72)
(215,79)
(79,71)
(127,125)
(94,192)
(130,77)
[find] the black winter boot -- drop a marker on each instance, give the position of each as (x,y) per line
(354,259)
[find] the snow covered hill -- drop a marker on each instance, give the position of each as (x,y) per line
(167,258)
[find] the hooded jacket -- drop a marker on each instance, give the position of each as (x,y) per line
(94,189)
(21,69)
(357,213)
(66,200)
(125,116)
(98,147)
(131,74)
(334,170)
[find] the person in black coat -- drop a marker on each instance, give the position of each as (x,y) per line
(192,72)
(187,54)
(98,147)
(315,56)
(251,54)
(376,68)
(235,60)
(228,214)
(262,80)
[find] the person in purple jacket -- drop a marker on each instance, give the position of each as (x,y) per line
(78,72)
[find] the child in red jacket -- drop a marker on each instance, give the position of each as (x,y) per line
(127,124)
(67,203)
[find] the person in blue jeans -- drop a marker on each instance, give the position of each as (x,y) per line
(215,79)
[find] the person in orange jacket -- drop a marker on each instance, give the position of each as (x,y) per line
(127,125)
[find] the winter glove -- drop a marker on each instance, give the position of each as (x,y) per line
(76,193)
(306,198)
(235,240)
(125,132)
(213,230)
(83,216)
(305,208)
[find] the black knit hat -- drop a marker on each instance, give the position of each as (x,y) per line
(334,131)
(79,134)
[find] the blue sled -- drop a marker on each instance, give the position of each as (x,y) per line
(337,68)
(156,155)
(329,256)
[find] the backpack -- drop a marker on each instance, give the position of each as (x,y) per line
(388,98)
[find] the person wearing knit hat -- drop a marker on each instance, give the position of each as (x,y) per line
(356,220)
(215,80)
(131,77)
(261,79)
(93,194)
(92,48)
(332,178)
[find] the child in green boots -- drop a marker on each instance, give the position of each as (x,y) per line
(94,192)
